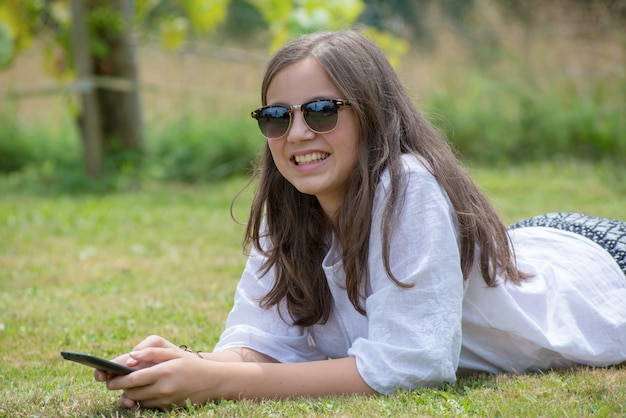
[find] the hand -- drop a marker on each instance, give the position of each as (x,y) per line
(127,360)
(173,378)
(177,376)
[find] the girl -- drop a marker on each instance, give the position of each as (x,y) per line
(376,263)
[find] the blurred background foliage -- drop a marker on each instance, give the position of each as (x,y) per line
(506,81)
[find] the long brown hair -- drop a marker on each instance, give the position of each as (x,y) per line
(295,229)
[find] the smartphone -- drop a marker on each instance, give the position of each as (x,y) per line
(97,363)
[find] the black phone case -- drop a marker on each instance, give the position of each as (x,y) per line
(97,363)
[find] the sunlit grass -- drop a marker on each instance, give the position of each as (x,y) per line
(98,272)
(97,267)
(566,186)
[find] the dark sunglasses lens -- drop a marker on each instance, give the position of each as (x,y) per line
(321,116)
(274,121)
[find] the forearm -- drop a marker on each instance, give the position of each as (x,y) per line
(277,380)
(176,377)
(240,354)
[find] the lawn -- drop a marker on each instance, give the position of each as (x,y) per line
(99,272)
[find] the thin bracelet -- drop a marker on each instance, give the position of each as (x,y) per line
(184,347)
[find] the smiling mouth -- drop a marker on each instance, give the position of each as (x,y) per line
(313,157)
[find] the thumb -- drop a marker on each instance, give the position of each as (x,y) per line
(154,355)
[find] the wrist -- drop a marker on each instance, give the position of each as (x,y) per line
(189,350)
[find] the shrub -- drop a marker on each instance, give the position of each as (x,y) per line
(505,120)
(192,150)
(488,119)
(17,148)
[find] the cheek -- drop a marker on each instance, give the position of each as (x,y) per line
(277,155)
(354,159)
(274,150)
(351,136)
(350,146)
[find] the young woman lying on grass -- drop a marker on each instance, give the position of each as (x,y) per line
(376,263)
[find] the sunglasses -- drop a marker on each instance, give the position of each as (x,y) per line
(321,116)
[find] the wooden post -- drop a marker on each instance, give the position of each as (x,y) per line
(131,117)
(90,117)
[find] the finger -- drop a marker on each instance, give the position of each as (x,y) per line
(136,379)
(100,375)
(157,355)
(144,400)
(153,404)
(137,363)
(126,402)
(121,359)
(145,375)
(145,397)
(103,375)
(149,342)
(141,359)
(154,341)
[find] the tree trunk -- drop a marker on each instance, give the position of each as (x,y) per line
(89,120)
(117,79)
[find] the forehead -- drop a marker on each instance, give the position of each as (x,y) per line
(300,82)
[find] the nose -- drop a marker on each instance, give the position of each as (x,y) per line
(299,130)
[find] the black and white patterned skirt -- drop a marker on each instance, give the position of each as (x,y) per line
(610,234)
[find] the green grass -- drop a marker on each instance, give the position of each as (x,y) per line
(99,272)
(504,118)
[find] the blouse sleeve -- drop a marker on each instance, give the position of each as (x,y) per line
(414,333)
(252,326)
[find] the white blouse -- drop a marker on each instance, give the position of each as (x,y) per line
(572,311)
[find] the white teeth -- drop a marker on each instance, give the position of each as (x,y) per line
(310,158)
